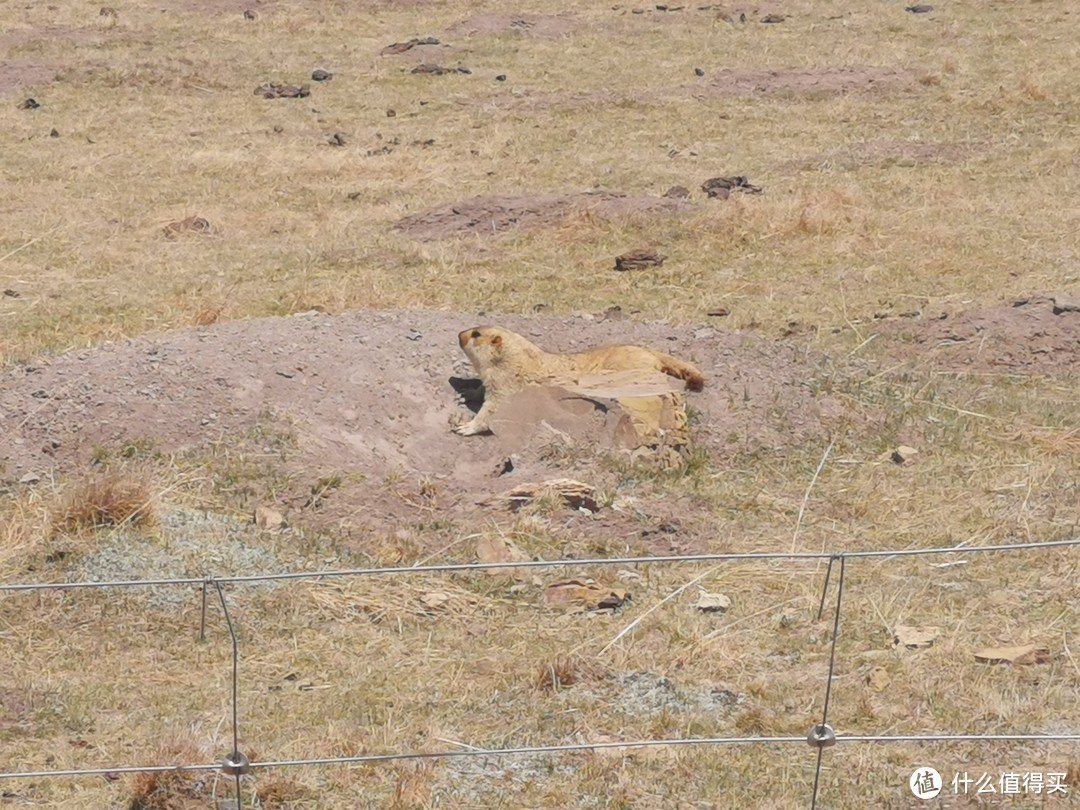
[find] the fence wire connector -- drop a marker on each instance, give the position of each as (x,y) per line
(235,763)
(821,736)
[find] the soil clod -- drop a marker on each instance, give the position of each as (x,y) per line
(401,47)
(724,187)
(271,90)
(638,260)
(188,225)
(438,70)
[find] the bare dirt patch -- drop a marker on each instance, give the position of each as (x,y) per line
(52,33)
(368,397)
(533,25)
(892,153)
(1038,334)
(490,215)
(829,81)
(883,152)
(15,75)
(223,6)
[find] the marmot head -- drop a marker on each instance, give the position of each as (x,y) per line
(481,344)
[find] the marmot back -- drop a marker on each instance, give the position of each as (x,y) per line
(506,362)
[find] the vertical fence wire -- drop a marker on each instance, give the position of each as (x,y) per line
(235,757)
(822,733)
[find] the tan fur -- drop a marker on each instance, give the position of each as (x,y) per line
(507,362)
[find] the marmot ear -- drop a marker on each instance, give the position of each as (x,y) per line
(496,340)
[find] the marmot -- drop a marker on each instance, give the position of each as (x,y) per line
(506,362)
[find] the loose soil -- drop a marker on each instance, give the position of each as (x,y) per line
(53,33)
(533,25)
(824,82)
(1038,335)
(366,399)
(237,7)
(17,75)
(490,215)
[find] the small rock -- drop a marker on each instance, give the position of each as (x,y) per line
(54,133)
(391,113)
(501,77)
(250,15)
(919,9)
(29,104)
(321,76)
(9,293)
(337,139)
(903,454)
(677,193)
(268,519)
(699,72)
(718,312)
(30,478)
(1066,303)
(773,18)
(712,602)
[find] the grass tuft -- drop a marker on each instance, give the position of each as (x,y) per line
(112,498)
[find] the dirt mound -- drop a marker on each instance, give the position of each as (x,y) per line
(1039,334)
(533,25)
(365,399)
(801,82)
(488,215)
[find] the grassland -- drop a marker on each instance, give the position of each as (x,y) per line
(952,188)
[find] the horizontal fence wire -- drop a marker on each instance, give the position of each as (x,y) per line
(548,749)
(366,759)
(744,556)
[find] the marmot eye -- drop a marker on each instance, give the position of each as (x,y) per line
(476,333)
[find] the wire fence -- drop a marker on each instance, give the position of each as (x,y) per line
(820,736)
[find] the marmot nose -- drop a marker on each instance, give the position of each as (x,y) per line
(463,338)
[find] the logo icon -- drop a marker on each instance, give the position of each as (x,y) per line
(925,783)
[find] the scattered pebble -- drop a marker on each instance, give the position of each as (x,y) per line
(271,90)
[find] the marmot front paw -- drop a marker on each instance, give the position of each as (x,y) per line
(471,428)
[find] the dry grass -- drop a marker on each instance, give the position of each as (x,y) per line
(853,222)
(111,498)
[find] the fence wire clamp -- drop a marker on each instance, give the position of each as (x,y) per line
(821,736)
(235,763)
